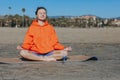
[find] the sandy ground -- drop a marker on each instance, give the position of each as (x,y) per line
(101,42)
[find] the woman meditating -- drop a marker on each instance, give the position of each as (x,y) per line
(41,41)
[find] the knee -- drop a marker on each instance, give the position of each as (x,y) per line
(64,52)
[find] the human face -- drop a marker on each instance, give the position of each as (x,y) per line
(41,15)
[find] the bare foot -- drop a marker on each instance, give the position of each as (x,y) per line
(48,59)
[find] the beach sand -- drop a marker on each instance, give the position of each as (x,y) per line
(103,43)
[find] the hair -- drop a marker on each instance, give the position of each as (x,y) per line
(40,8)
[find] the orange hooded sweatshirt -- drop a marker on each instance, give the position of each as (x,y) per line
(41,39)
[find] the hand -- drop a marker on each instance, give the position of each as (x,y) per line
(68,48)
(19,48)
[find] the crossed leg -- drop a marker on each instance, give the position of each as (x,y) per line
(57,54)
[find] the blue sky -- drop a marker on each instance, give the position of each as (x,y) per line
(101,8)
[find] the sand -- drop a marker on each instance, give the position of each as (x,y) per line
(103,43)
(66,35)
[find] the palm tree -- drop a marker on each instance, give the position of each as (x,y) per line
(23,11)
(8,18)
(9,8)
(9,22)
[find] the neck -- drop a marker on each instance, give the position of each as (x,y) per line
(41,22)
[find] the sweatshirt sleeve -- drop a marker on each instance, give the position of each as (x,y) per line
(55,42)
(58,46)
(28,40)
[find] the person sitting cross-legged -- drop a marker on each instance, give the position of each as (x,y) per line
(41,41)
